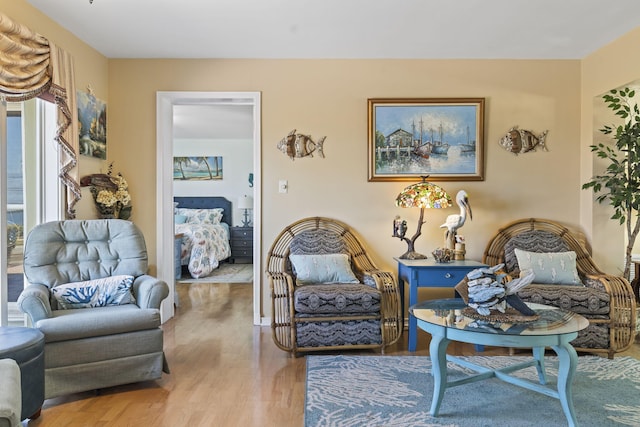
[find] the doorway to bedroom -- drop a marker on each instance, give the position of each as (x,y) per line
(209,158)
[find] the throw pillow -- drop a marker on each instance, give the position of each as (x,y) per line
(180,219)
(325,268)
(201,216)
(557,268)
(532,241)
(114,290)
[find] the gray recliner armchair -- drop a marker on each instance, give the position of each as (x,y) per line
(89,294)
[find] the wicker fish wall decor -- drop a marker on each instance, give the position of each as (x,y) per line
(299,145)
(519,141)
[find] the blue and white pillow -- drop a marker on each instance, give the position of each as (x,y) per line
(552,268)
(325,268)
(114,290)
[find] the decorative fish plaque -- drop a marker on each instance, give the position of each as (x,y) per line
(300,145)
(519,141)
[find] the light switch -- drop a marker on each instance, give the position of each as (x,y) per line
(283,186)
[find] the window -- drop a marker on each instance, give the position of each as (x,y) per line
(29,189)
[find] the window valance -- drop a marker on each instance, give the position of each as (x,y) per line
(30,66)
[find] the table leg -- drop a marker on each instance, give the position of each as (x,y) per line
(401,284)
(567,363)
(413,323)
(538,354)
(438,354)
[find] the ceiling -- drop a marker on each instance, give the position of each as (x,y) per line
(336,29)
(432,29)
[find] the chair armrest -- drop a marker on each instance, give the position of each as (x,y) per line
(622,309)
(149,291)
(391,305)
(34,301)
(384,280)
(282,312)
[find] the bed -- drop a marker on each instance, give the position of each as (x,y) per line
(204,223)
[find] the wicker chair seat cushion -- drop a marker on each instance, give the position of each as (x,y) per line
(336,298)
(596,335)
(531,241)
(582,300)
(335,333)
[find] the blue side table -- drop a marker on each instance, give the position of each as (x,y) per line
(427,273)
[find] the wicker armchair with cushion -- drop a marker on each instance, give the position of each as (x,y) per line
(326,293)
(567,277)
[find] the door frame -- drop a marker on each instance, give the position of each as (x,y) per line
(165,101)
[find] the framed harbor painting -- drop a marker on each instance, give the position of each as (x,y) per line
(413,137)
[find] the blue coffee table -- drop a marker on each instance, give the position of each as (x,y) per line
(556,328)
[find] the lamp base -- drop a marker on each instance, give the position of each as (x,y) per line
(412,255)
(245,221)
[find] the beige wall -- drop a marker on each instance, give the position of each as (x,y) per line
(615,65)
(329,97)
(91,69)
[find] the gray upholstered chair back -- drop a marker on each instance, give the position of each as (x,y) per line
(531,241)
(60,252)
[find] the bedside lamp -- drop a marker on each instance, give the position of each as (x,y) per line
(423,195)
(245,203)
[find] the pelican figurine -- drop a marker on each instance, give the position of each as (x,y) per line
(454,222)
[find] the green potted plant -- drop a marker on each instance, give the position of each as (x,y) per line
(619,184)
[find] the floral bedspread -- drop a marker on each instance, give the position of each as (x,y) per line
(203,247)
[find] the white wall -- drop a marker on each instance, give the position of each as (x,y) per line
(237,164)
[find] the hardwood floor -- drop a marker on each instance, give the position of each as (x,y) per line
(224,372)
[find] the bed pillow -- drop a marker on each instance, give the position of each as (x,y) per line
(325,268)
(114,290)
(557,268)
(201,216)
(180,219)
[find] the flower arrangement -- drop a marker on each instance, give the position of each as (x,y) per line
(111,194)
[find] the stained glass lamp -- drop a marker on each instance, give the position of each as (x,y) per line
(423,195)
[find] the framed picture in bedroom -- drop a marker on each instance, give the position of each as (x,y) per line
(204,168)
(413,137)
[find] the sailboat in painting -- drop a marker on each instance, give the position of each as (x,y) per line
(422,149)
(439,147)
(470,145)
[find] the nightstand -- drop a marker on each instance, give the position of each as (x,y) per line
(242,245)
(426,273)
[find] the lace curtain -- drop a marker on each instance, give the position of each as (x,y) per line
(32,66)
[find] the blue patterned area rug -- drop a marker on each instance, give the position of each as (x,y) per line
(350,391)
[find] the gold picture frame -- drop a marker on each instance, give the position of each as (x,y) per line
(413,137)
